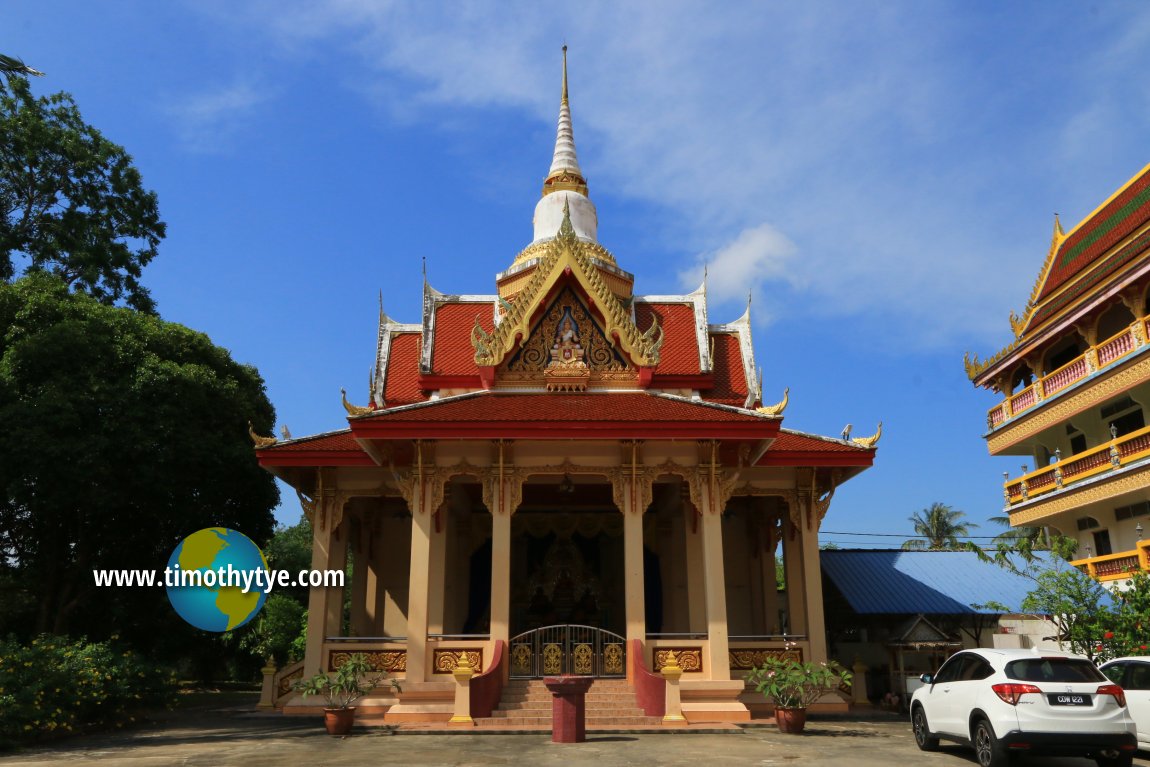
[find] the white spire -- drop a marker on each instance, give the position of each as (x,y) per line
(565,188)
(564,158)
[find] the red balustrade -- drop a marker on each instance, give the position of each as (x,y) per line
(1116,347)
(1064,376)
(1119,566)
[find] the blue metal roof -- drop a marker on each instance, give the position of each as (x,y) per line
(929,582)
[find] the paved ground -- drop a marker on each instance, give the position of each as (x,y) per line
(224,738)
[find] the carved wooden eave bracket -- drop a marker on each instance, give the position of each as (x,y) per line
(258,440)
(567,255)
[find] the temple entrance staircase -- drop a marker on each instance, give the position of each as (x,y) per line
(527,703)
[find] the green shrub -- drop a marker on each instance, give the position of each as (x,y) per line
(56,685)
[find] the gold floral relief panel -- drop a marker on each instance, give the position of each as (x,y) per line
(444,661)
(521,660)
(746,658)
(390,661)
(690,659)
(566,322)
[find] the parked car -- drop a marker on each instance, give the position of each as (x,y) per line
(1133,674)
(1005,702)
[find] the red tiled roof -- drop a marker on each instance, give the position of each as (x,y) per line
(613,415)
(338,441)
(792,448)
(730,379)
(792,440)
(1106,268)
(680,352)
(334,449)
(402,383)
(452,353)
(1117,220)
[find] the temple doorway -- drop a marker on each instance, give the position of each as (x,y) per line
(567,578)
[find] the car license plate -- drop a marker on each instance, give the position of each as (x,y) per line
(1068,699)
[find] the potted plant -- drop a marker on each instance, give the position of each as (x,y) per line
(352,680)
(793,685)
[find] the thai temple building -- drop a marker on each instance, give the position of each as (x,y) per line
(1073,385)
(564,476)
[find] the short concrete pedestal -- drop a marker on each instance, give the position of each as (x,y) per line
(568,707)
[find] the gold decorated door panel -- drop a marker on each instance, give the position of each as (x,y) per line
(568,649)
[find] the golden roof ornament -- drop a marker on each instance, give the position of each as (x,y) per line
(352,410)
(871,441)
(259,441)
(777,409)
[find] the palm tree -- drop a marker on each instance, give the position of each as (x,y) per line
(1033,538)
(940,527)
(13,66)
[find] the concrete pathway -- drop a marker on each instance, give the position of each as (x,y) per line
(225,738)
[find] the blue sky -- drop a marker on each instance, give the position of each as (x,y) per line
(881,177)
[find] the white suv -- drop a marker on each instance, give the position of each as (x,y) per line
(1005,702)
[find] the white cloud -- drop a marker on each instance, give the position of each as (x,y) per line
(895,146)
(208,121)
(743,267)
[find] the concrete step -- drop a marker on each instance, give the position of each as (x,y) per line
(607,697)
(545,722)
(546,712)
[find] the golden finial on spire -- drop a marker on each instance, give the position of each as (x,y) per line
(564,74)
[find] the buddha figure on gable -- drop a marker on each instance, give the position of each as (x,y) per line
(567,349)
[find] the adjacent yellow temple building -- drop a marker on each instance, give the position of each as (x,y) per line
(1073,386)
(564,477)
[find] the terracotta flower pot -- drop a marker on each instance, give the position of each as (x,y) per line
(338,721)
(791,720)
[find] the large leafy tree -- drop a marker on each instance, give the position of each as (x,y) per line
(71,202)
(1076,604)
(941,528)
(122,434)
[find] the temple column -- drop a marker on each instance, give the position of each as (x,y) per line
(793,571)
(362,604)
(813,594)
(633,569)
(369,532)
(711,529)
(323,602)
(419,583)
(696,591)
(500,560)
(438,574)
(770,580)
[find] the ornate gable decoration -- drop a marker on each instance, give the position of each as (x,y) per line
(566,255)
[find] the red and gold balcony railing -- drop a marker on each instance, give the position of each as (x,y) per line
(1096,357)
(1107,456)
(1112,567)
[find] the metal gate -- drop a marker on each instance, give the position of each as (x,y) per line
(568,649)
